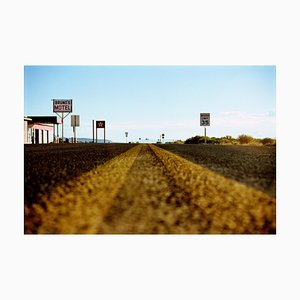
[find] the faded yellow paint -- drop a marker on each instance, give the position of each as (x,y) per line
(80,205)
(150,190)
(229,206)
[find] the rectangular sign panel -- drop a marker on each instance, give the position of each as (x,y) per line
(100,124)
(62,105)
(204,119)
(75,120)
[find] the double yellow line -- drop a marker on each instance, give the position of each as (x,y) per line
(229,206)
(80,205)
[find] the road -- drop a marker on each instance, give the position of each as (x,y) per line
(254,166)
(148,190)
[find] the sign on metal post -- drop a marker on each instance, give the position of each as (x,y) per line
(205,121)
(100,124)
(62,105)
(74,124)
(75,120)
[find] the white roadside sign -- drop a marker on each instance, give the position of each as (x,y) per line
(204,119)
(75,120)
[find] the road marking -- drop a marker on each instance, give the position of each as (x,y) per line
(149,202)
(79,205)
(229,205)
(151,190)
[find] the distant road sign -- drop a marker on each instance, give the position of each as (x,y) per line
(62,105)
(75,120)
(204,119)
(100,124)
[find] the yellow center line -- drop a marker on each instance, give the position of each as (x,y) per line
(231,207)
(80,205)
(216,204)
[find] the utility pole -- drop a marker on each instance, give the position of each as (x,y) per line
(62,127)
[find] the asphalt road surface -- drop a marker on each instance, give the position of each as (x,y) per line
(254,166)
(144,189)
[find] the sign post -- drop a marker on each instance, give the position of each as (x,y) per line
(74,124)
(205,121)
(93,126)
(100,124)
(61,106)
(126,135)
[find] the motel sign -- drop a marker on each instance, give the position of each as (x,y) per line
(62,105)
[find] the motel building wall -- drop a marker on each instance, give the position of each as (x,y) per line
(40,129)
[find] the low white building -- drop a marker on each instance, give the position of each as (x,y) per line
(40,129)
(26,120)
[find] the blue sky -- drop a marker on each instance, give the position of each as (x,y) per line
(149,100)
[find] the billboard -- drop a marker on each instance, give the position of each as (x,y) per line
(75,120)
(62,105)
(204,119)
(100,124)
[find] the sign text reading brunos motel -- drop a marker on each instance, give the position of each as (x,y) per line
(62,105)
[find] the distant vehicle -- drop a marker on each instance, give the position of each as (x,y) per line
(66,140)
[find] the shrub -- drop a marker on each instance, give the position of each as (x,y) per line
(229,140)
(225,141)
(244,139)
(195,140)
(213,140)
(268,141)
(179,142)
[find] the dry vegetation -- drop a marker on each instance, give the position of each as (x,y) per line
(242,139)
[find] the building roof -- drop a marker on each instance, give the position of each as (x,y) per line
(44,119)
